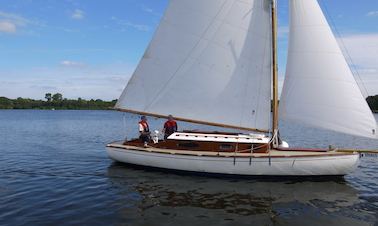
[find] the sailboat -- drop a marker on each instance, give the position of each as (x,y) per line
(214,62)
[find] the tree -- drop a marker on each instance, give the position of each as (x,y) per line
(57,97)
(6,103)
(373,102)
(48,97)
(55,101)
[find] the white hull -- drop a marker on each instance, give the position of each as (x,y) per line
(321,165)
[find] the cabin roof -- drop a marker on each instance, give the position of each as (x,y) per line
(227,138)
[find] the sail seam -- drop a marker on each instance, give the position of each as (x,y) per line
(326,124)
(314,51)
(316,78)
(327,106)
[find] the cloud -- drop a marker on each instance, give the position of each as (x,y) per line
(68,63)
(283,32)
(363,48)
(372,13)
(128,24)
(139,27)
(147,10)
(363,51)
(45,88)
(78,14)
(9,23)
(16,19)
(150,11)
(92,81)
(7,27)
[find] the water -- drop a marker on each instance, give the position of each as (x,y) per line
(54,171)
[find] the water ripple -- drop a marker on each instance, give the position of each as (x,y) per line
(54,171)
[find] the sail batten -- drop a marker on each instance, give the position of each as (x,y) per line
(209,61)
(319,88)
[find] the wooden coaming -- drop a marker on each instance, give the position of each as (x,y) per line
(206,146)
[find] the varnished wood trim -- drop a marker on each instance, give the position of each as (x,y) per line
(357,151)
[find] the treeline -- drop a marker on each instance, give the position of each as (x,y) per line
(373,103)
(56,101)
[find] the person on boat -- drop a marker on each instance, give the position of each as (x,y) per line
(144,130)
(170,127)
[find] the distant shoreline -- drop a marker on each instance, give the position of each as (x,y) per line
(46,109)
(55,102)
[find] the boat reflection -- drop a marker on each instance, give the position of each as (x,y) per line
(149,194)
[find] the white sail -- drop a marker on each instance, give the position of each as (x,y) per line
(319,87)
(209,61)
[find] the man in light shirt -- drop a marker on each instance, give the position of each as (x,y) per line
(144,131)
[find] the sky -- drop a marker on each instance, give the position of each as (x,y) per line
(89,49)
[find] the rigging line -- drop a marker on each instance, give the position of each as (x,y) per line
(189,54)
(353,65)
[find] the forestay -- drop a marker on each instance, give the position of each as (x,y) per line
(209,61)
(319,88)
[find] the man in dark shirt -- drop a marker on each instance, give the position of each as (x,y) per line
(170,127)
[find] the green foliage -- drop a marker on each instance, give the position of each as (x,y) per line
(373,103)
(57,97)
(48,97)
(57,102)
(6,103)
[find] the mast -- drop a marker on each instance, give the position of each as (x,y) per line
(275,69)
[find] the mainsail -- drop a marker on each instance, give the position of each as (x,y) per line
(319,87)
(209,61)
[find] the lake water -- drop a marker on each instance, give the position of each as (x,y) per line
(54,171)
